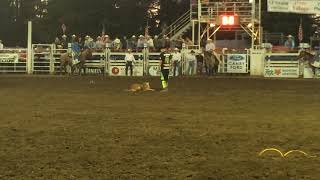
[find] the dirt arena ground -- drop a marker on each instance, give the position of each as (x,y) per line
(203,128)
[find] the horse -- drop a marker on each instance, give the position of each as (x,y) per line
(67,60)
(306,56)
(211,63)
(84,55)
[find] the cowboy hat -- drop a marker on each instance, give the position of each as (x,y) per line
(289,36)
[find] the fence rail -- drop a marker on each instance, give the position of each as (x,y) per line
(45,59)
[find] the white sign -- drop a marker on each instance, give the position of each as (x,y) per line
(294,6)
(236,63)
(9,58)
(154,70)
(118,70)
(286,72)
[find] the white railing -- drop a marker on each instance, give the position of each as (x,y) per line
(178,26)
(13,60)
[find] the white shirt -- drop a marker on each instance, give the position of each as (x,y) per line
(176,56)
(191,57)
(210,47)
(1,46)
(129,58)
(150,43)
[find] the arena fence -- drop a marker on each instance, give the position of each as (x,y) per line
(13,61)
(282,65)
(45,59)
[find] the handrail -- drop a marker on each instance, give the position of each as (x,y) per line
(178,24)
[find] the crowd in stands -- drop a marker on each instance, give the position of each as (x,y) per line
(120,44)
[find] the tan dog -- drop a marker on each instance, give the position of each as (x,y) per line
(140,87)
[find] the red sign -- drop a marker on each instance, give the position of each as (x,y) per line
(115,70)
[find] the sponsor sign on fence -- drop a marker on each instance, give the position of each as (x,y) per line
(286,72)
(9,58)
(236,63)
(294,6)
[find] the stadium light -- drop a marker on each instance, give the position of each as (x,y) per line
(212,25)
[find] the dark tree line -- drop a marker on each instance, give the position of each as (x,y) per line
(115,17)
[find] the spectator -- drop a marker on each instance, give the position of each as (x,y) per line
(124,42)
(1,45)
(86,41)
(157,43)
(99,43)
(107,41)
(73,38)
(92,44)
(150,43)
(167,42)
(191,59)
(140,44)
(289,43)
(64,42)
(116,44)
(130,60)
(132,42)
(176,58)
(80,42)
(200,62)
(57,43)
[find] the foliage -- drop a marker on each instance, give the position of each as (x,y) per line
(116,17)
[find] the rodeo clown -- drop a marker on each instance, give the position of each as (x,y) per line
(165,64)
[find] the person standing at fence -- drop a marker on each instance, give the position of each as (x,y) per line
(289,43)
(191,59)
(116,44)
(150,43)
(157,43)
(176,57)
(130,60)
(165,64)
(140,43)
(1,45)
(200,63)
(64,42)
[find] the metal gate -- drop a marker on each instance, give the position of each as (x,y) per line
(42,59)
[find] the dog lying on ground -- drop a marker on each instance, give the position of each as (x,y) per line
(140,87)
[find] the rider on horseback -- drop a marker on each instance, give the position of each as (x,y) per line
(211,59)
(75,48)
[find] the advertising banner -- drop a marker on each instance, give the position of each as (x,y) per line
(294,6)
(9,58)
(237,63)
(281,72)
